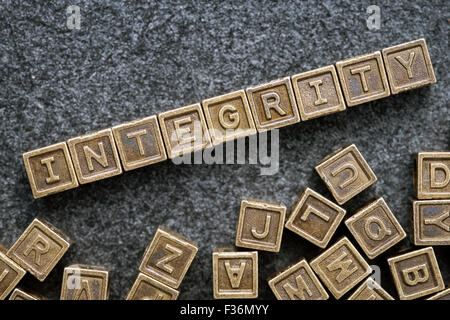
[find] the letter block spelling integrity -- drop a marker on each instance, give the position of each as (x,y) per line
(370,290)
(146,288)
(82,282)
(10,274)
(433,175)
(431,222)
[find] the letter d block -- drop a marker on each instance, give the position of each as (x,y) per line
(39,248)
(433,175)
(168,257)
(416,274)
(146,288)
(10,274)
(82,282)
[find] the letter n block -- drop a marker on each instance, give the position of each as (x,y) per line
(431,222)
(433,175)
(10,274)
(83,282)
(146,288)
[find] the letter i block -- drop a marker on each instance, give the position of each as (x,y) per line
(146,288)
(433,175)
(95,156)
(370,290)
(346,173)
(235,274)
(315,218)
(416,274)
(50,170)
(168,257)
(39,248)
(341,267)
(431,222)
(363,78)
(297,282)
(10,274)
(273,104)
(375,228)
(260,225)
(140,143)
(83,282)
(408,66)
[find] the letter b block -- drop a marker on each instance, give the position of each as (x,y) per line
(433,175)
(82,282)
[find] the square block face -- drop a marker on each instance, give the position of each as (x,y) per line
(443,295)
(375,228)
(318,93)
(95,156)
(408,66)
(235,275)
(433,175)
(370,290)
(260,225)
(50,170)
(10,275)
(431,222)
(416,274)
(81,282)
(168,257)
(19,294)
(363,78)
(346,173)
(184,130)
(140,143)
(315,218)
(341,267)
(228,117)
(39,248)
(146,288)
(273,105)
(298,282)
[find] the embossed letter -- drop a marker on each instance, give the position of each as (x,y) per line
(320,99)
(412,275)
(407,64)
(361,71)
(343,266)
(383,231)
(299,291)
(235,273)
(343,167)
(174,254)
(39,246)
(264,234)
(433,168)
(137,135)
(100,158)
(233,119)
(271,100)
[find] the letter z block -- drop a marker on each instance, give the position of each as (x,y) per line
(146,288)
(431,222)
(83,282)
(10,274)
(433,175)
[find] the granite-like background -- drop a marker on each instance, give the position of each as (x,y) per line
(131,59)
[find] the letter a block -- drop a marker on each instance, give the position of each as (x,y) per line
(370,290)
(82,282)
(431,222)
(341,267)
(260,225)
(146,288)
(433,175)
(297,282)
(416,274)
(10,274)
(39,248)
(168,257)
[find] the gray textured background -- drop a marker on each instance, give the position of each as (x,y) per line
(131,60)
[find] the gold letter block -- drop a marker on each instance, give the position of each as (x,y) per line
(140,143)
(318,93)
(39,248)
(341,267)
(298,282)
(146,288)
(375,228)
(10,274)
(443,295)
(408,66)
(83,282)
(314,217)
(20,294)
(363,78)
(168,257)
(346,173)
(370,290)
(433,175)
(95,156)
(431,222)
(260,225)
(228,117)
(50,170)
(273,104)
(416,274)
(235,274)
(184,130)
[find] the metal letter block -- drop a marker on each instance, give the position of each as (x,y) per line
(314,217)
(146,288)
(341,267)
(83,282)
(235,274)
(50,170)
(297,282)
(95,156)
(228,117)
(20,294)
(273,104)
(408,66)
(184,130)
(260,225)
(431,222)
(416,274)
(375,228)
(443,295)
(140,143)
(168,257)
(346,173)
(433,175)
(10,274)
(363,78)
(39,248)
(318,93)
(370,290)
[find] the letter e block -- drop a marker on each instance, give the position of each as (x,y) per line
(146,288)
(10,275)
(433,175)
(431,222)
(370,290)
(83,282)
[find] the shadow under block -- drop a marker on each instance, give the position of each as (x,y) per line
(83,282)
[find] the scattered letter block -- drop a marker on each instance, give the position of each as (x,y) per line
(20,294)
(431,222)
(443,295)
(370,290)
(433,175)
(146,288)
(10,274)
(82,282)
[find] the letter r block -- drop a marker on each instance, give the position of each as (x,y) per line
(83,282)
(146,288)
(433,175)
(10,274)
